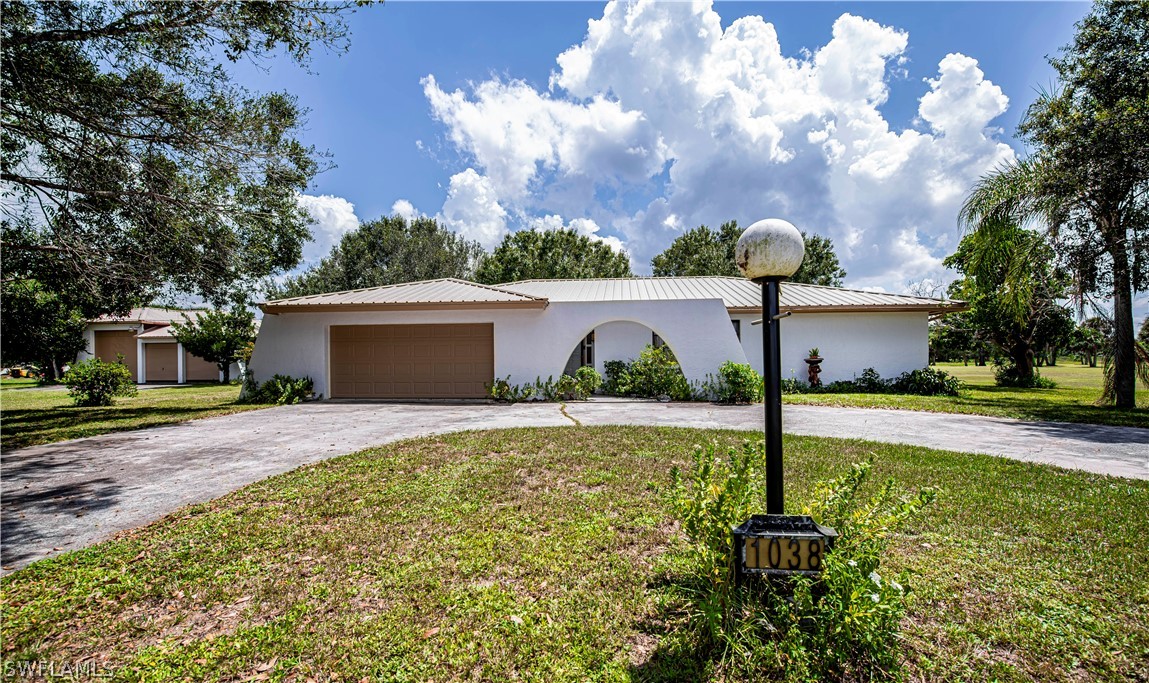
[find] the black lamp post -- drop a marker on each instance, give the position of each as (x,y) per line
(768,252)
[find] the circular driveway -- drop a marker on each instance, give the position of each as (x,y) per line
(68,495)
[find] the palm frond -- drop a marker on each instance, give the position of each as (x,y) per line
(1141,369)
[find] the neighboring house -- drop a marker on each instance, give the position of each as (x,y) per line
(144,338)
(449,338)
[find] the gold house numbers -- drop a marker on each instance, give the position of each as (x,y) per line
(781,544)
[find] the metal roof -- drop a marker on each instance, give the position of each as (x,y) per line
(446,293)
(738,294)
(150,315)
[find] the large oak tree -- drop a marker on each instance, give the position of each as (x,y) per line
(703,251)
(132,162)
(385,252)
(547,254)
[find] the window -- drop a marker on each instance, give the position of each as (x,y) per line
(588,349)
(737,329)
(656,341)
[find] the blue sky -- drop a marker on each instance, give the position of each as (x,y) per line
(649,129)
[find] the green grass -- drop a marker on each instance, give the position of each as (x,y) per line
(30,415)
(539,555)
(1078,388)
(19,382)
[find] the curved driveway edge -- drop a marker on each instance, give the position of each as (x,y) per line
(68,495)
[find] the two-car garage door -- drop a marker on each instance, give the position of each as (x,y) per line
(412,361)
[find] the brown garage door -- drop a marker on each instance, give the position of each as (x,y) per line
(160,362)
(412,361)
(109,343)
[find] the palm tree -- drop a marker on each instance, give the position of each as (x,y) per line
(1085,224)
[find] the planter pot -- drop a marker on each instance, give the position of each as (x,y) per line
(814,368)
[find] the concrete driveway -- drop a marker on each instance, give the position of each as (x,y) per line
(68,495)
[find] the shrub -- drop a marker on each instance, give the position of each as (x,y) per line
(926,382)
(588,380)
(567,388)
(870,382)
(503,390)
(93,382)
(617,377)
(654,374)
(1005,374)
(843,626)
(737,383)
(793,385)
(280,390)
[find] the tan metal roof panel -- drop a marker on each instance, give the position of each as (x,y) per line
(444,293)
(738,294)
(153,315)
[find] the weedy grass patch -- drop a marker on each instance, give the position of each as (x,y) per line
(552,554)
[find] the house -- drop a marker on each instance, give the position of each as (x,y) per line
(449,338)
(144,338)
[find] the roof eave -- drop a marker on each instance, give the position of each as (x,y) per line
(272,308)
(869,308)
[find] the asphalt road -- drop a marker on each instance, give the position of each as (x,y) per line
(68,495)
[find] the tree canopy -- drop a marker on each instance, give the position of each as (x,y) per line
(217,336)
(39,329)
(1087,181)
(702,251)
(384,252)
(1012,286)
(132,162)
(545,254)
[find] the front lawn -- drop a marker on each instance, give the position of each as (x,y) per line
(1078,387)
(545,555)
(30,415)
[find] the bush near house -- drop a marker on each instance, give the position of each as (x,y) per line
(654,374)
(924,382)
(93,382)
(577,388)
(737,383)
(279,390)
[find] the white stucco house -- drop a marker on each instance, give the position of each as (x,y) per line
(144,338)
(449,338)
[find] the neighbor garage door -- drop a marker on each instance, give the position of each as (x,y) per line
(113,343)
(412,361)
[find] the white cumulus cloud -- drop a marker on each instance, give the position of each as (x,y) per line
(661,120)
(406,209)
(472,209)
(333,217)
(583,226)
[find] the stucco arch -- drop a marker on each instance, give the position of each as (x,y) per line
(698,331)
(608,348)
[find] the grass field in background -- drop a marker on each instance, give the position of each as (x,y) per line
(543,554)
(1073,400)
(30,415)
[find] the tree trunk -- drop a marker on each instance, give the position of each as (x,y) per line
(1124,360)
(225,368)
(1022,355)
